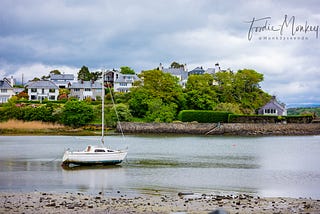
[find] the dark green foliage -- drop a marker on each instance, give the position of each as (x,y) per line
(203,116)
(159,112)
(176,65)
(236,118)
(241,88)
(299,119)
(76,113)
(200,93)
(159,92)
(126,70)
(84,74)
(41,113)
(233,118)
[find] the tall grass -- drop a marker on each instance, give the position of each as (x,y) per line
(18,124)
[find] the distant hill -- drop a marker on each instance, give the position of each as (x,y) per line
(302,110)
(303,105)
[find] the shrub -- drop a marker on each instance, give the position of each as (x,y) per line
(203,116)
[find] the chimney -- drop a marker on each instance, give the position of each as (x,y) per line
(185,67)
(217,67)
(11,81)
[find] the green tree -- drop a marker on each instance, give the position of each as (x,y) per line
(40,113)
(126,70)
(200,93)
(119,110)
(225,87)
(241,88)
(138,103)
(11,110)
(76,113)
(84,74)
(55,72)
(36,79)
(96,75)
(159,112)
(155,84)
(176,65)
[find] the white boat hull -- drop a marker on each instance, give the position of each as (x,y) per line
(94,158)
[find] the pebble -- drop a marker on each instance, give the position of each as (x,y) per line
(55,203)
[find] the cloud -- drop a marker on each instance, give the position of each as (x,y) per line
(38,36)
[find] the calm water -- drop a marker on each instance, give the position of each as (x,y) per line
(266,166)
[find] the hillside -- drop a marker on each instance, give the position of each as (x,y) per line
(304,110)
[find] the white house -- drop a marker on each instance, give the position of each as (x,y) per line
(42,89)
(181,73)
(123,82)
(6,91)
(273,107)
(62,80)
(85,89)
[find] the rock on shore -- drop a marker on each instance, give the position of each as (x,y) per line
(37,202)
(243,129)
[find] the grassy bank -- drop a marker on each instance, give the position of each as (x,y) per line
(18,127)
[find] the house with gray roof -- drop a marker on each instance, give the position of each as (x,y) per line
(181,73)
(123,82)
(197,71)
(42,89)
(273,107)
(118,81)
(86,89)
(6,91)
(62,80)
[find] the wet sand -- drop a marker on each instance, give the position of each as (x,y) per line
(40,202)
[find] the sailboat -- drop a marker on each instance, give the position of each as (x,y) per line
(95,155)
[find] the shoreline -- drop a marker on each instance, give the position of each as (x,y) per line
(129,128)
(222,129)
(42,202)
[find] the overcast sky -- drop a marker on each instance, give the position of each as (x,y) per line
(38,36)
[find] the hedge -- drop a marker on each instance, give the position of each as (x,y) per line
(234,118)
(203,116)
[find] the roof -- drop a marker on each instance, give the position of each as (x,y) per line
(86,84)
(126,77)
(42,84)
(274,102)
(177,72)
(197,70)
(5,85)
(210,71)
(62,77)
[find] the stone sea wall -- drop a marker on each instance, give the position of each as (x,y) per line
(222,128)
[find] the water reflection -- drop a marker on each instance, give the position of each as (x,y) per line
(99,178)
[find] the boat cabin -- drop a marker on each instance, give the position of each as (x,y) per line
(97,149)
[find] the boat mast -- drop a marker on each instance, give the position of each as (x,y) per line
(102,108)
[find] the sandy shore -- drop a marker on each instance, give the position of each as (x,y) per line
(39,202)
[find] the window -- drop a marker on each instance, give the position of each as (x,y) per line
(52,98)
(52,90)
(123,84)
(99,150)
(87,89)
(33,97)
(3,90)
(33,90)
(76,89)
(270,111)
